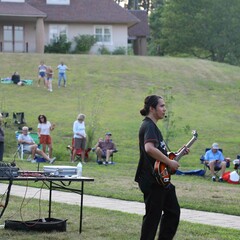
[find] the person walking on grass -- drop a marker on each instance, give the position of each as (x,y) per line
(161,204)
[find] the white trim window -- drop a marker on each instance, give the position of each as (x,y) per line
(16,1)
(58,2)
(103,34)
(55,30)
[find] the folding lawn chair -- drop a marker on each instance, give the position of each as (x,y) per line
(5,116)
(216,168)
(18,118)
(20,152)
(104,157)
(236,163)
(78,152)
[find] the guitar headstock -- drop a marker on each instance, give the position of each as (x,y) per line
(194,133)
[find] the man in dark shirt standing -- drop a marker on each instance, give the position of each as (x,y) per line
(105,148)
(160,200)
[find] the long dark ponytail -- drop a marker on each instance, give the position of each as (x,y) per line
(150,101)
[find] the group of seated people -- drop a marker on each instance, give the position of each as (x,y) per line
(215,159)
(104,148)
(31,147)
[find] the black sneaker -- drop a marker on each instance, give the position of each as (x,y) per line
(214,179)
(220,179)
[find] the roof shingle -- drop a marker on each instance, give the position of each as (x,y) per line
(86,11)
(19,10)
(141,28)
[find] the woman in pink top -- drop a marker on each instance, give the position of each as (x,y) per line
(44,129)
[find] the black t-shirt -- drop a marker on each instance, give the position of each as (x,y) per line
(148,132)
(15,78)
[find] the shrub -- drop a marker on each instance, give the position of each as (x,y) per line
(119,51)
(104,51)
(84,43)
(58,45)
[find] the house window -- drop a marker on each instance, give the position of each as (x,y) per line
(103,34)
(59,2)
(13,38)
(16,1)
(56,30)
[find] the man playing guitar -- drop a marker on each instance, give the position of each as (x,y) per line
(161,202)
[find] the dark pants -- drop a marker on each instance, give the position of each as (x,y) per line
(162,207)
(1,150)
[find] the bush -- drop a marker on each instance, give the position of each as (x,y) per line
(119,51)
(84,43)
(104,51)
(58,45)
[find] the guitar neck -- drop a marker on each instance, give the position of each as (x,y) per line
(182,151)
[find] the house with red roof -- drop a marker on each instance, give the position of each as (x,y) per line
(29,25)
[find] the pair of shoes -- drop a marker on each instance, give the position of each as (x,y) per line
(214,179)
(52,160)
(220,179)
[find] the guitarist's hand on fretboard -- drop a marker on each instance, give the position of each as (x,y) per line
(186,150)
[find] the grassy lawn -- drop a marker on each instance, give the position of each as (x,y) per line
(110,90)
(98,224)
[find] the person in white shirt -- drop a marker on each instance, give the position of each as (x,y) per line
(30,146)
(79,135)
(44,129)
(62,74)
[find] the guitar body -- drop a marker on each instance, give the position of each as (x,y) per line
(162,172)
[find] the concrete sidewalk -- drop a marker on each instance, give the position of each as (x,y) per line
(214,219)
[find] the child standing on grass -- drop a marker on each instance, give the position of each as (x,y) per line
(42,68)
(49,73)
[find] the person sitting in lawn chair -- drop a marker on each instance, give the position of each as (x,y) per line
(105,149)
(214,158)
(30,146)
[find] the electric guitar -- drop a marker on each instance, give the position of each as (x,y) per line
(162,172)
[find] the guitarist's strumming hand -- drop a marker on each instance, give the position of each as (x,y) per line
(174,165)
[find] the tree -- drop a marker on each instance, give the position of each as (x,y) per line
(204,28)
(137,4)
(155,26)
